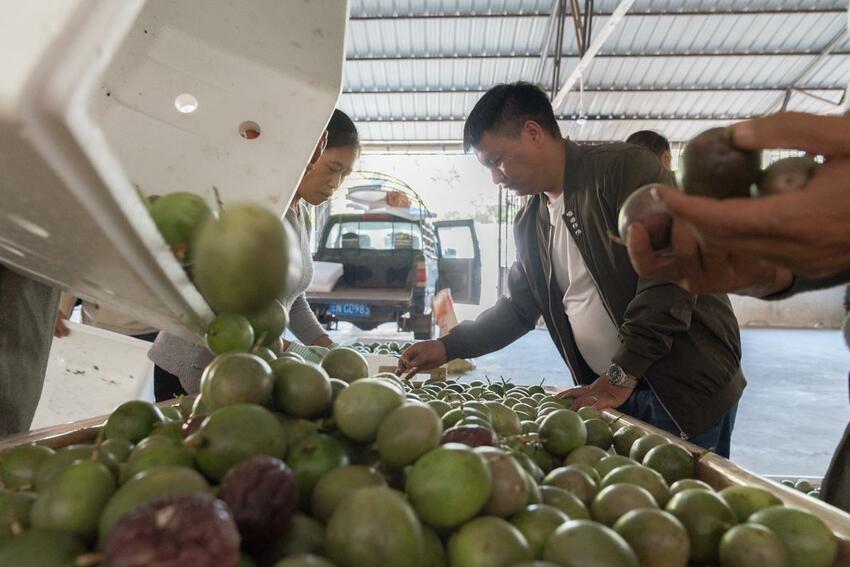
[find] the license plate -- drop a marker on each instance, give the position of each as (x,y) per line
(350,309)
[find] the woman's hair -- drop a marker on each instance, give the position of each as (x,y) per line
(342,131)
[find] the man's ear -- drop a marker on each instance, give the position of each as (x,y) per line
(534,131)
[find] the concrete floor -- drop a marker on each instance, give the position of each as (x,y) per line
(790,418)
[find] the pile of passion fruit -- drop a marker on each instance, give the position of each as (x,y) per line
(289,463)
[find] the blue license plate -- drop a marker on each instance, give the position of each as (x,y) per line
(350,309)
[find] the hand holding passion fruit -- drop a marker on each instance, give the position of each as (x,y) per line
(754,246)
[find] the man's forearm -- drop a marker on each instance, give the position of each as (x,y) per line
(803,284)
(494,329)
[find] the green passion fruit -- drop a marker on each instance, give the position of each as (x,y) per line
(449,485)
(178,217)
(345,364)
(242,259)
(229,332)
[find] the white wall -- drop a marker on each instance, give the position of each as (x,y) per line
(817,309)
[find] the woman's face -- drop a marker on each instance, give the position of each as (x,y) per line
(319,184)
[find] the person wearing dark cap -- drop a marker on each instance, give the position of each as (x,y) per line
(654,142)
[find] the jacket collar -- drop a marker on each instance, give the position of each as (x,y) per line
(571,185)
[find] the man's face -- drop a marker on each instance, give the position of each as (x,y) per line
(328,173)
(513,161)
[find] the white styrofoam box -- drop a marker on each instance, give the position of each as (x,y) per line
(98,95)
(90,372)
(325,276)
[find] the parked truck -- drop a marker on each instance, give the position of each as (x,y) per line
(395,259)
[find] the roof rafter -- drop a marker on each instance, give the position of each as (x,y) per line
(646,55)
(543,14)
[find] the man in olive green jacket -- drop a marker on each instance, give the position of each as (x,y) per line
(647,347)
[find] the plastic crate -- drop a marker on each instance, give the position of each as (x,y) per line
(99,95)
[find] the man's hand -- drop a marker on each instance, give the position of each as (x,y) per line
(753,246)
(422,356)
(600,395)
(806,232)
(700,270)
(60,329)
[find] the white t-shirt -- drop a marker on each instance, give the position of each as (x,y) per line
(595,333)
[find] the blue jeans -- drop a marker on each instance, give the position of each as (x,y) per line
(643,405)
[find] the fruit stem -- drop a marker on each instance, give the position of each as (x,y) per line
(524,439)
(219,203)
(614,238)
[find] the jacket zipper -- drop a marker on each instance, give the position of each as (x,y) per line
(682,433)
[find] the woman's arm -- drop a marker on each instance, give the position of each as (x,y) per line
(304,325)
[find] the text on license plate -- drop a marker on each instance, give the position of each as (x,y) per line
(350,309)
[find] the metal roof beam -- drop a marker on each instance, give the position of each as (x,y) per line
(590,52)
(551,24)
(541,14)
(578,22)
(812,66)
(564,117)
(598,89)
(837,103)
(683,55)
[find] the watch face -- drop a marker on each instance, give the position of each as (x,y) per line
(617,376)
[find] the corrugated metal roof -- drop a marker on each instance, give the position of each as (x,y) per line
(595,130)
(661,104)
(512,36)
(371,8)
(416,67)
(607,73)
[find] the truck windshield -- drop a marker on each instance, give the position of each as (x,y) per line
(375,235)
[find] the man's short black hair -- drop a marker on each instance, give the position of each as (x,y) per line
(653,141)
(505,108)
(342,131)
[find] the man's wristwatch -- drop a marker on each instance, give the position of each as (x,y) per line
(618,377)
